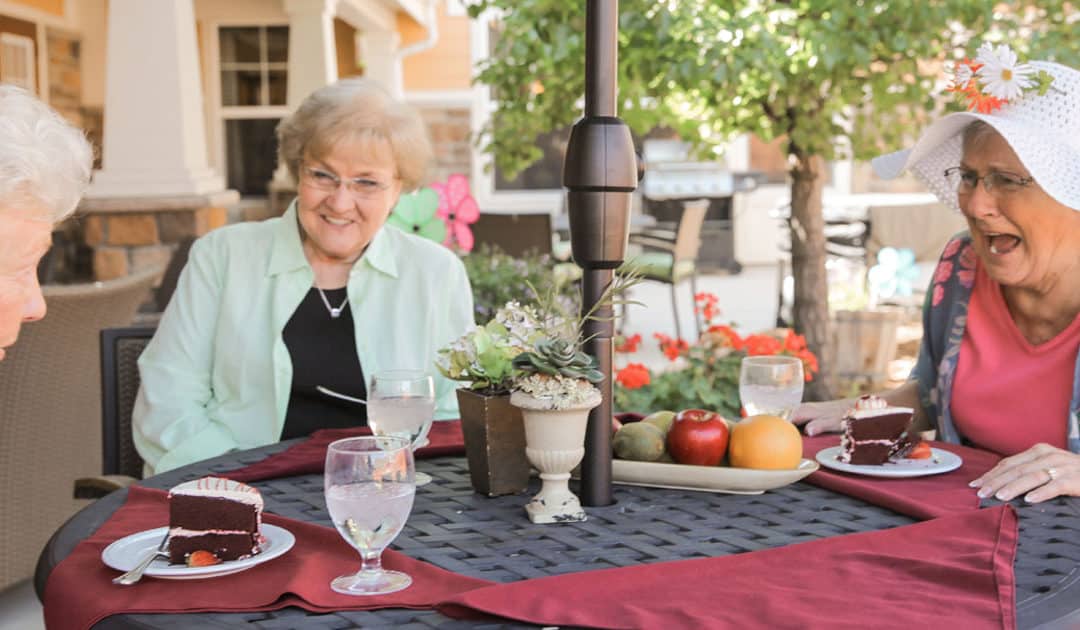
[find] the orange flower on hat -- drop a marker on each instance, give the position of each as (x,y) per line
(994,78)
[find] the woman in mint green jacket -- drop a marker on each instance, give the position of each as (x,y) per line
(325,295)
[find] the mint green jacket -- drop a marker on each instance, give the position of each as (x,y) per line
(217,375)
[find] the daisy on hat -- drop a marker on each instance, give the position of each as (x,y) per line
(1035,106)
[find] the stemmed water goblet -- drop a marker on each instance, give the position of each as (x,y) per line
(369,489)
(771,385)
(402,403)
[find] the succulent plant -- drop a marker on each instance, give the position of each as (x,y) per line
(559,357)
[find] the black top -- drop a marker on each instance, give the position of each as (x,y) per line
(323,352)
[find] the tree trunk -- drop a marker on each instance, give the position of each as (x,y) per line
(811,309)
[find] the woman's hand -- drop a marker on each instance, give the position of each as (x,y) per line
(821,417)
(1042,471)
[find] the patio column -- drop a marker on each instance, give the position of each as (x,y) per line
(155,134)
(312,64)
(379,49)
(312,51)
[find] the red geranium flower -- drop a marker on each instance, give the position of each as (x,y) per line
(628,344)
(793,342)
(762,345)
(733,338)
(633,376)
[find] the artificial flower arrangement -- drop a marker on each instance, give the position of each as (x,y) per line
(705,374)
(532,348)
(483,357)
(996,77)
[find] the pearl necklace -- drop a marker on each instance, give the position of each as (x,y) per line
(334,312)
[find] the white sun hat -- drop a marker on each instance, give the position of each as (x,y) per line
(1043,130)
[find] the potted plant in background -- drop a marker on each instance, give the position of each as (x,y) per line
(493,429)
(497,278)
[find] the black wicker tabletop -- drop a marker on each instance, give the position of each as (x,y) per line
(491,538)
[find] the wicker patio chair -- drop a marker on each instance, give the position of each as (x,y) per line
(671,256)
(50,431)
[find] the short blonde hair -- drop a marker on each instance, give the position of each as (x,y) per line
(44,159)
(360,111)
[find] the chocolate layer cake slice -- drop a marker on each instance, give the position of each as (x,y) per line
(217,515)
(875,433)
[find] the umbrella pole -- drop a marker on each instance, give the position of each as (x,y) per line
(600,174)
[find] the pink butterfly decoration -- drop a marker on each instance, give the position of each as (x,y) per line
(458,209)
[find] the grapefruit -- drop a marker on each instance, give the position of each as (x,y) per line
(766,443)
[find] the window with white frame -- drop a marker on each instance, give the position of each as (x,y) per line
(17,61)
(253,67)
(538,187)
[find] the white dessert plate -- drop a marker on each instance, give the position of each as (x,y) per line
(706,478)
(939,462)
(125,553)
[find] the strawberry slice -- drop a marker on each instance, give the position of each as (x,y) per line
(202,558)
(921,451)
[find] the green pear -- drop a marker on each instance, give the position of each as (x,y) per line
(638,441)
(661,420)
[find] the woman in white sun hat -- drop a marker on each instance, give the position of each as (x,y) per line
(999,367)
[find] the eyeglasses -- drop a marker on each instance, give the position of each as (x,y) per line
(360,187)
(996,183)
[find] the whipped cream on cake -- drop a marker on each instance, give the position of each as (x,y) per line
(215,515)
(874,433)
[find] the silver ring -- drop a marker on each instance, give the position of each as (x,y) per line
(1052,472)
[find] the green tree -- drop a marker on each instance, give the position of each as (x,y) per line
(834,78)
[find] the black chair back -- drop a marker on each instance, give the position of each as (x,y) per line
(514,234)
(120,350)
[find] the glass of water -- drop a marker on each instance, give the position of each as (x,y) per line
(401,403)
(369,489)
(771,385)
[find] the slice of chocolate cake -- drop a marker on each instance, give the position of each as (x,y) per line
(217,515)
(875,433)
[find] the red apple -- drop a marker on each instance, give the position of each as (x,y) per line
(698,437)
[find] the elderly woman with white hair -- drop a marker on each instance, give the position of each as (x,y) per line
(266,313)
(999,366)
(45,165)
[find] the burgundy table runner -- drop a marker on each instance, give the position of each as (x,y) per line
(79,591)
(954,571)
(919,497)
(309,457)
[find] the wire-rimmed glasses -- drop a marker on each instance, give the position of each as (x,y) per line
(997,183)
(359,187)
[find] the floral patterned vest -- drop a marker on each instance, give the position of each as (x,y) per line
(944,319)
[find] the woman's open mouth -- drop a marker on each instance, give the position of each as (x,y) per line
(336,222)
(1002,243)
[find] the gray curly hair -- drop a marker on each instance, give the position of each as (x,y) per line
(360,111)
(43,158)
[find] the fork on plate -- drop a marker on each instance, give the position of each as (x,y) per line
(136,573)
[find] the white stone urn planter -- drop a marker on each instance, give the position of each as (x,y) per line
(554,444)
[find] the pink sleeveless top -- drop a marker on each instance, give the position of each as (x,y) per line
(1009,395)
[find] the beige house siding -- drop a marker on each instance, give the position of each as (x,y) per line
(54,7)
(445,66)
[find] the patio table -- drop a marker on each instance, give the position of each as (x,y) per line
(456,529)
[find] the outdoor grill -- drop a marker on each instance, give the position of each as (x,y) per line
(671,178)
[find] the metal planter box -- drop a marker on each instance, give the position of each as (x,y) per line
(494,443)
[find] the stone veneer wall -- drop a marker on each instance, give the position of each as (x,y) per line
(65,78)
(126,235)
(451,139)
